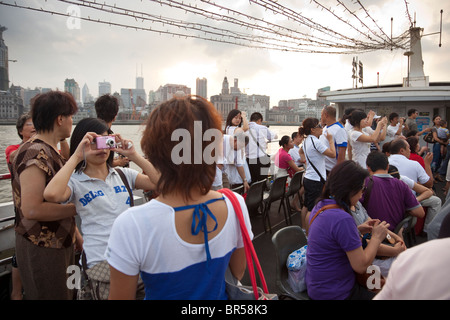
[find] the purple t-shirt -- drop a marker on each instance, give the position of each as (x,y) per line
(389,199)
(329,275)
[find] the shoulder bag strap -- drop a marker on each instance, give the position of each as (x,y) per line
(125,182)
(256,140)
(329,206)
(250,253)
(312,164)
(84,268)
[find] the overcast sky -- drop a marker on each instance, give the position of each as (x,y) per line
(48,51)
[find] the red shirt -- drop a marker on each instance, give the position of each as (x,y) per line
(9,150)
(419,159)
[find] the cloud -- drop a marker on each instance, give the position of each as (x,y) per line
(48,51)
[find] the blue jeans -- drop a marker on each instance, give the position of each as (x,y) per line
(443,168)
(436,157)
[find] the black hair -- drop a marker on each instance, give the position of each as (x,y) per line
(347,114)
(345,180)
(46,107)
(284,141)
(307,125)
(411,133)
(107,107)
(411,111)
(413,141)
(386,148)
(393,115)
(84,126)
(233,113)
(356,117)
(256,116)
(377,160)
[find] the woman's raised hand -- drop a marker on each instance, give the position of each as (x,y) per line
(85,145)
(124,146)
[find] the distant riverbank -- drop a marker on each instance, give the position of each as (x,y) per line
(9,122)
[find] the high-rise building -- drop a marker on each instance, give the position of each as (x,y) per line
(201,87)
(4,71)
(86,95)
(104,88)
(140,83)
(30,94)
(168,91)
(225,86)
(71,86)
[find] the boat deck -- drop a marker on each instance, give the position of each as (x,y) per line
(262,242)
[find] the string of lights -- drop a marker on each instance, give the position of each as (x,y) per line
(284,29)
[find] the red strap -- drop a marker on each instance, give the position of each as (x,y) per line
(248,245)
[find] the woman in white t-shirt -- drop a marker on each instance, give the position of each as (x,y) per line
(360,139)
(238,119)
(314,152)
(183,241)
(96,189)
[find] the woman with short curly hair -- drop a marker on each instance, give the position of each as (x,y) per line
(183,241)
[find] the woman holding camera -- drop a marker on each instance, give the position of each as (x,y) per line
(90,182)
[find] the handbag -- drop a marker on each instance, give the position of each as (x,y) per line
(428,138)
(96,286)
(234,289)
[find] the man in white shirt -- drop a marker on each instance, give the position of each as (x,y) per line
(257,158)
(340,137)
(419,273)
(399,157)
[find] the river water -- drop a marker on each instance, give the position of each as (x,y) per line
(8,136)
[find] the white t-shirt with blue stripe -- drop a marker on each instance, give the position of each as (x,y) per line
(144,239)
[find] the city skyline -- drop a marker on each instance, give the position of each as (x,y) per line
(47,52)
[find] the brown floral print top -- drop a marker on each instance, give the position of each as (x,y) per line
(51,234)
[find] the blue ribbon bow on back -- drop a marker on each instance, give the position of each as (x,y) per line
(199,220)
